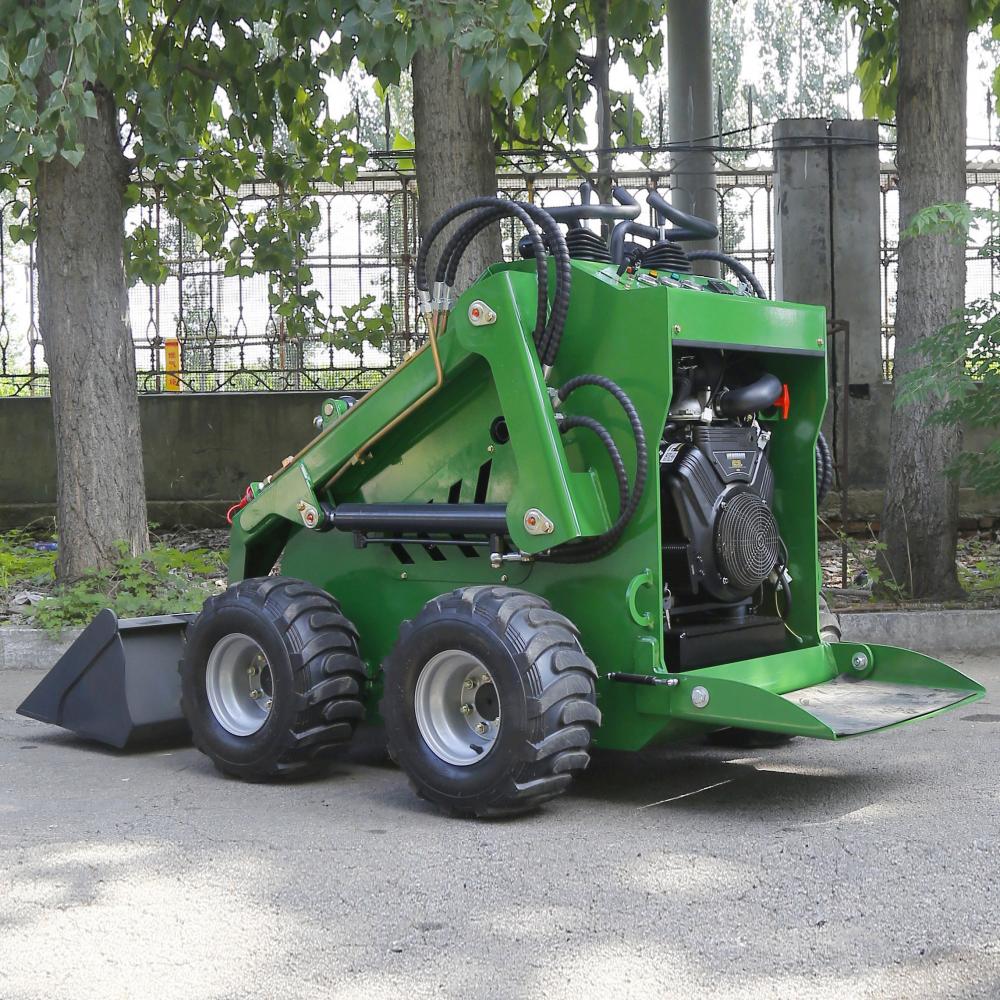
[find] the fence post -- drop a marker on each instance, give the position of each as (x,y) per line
(827,252)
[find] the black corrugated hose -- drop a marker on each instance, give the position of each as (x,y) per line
(594,548)
(549,339)
(824,468)
(548,334)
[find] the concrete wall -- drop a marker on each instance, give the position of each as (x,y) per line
(827,209)
(827,252)
(200,451)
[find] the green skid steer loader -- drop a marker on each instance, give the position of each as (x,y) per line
(582,515)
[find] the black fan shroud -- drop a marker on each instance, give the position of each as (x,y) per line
(747,544)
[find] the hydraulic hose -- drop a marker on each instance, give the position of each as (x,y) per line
(824,468)
(420,266)
(451,257)
(593,548)
(734,265)
(510,208)
(549,338)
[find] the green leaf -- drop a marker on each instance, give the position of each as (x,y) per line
(82,30)
(89,103)
(7,92)
(45,145)
(32,62)
(510,79)
(71,156)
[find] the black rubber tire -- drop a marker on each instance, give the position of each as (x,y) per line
(545,686)
(317,676)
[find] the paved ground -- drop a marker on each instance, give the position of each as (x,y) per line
(864,869)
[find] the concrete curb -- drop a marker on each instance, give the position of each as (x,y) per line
(927,631)
(33,648)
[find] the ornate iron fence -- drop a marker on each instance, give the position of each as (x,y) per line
(230,338)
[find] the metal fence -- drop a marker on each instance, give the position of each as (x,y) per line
(982,273)
(230,338)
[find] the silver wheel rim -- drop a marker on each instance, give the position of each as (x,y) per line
(457,708)
(239,684)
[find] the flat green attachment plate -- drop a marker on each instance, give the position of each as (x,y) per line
(818,691)
(849,705)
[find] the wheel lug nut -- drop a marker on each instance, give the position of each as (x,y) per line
(469,684)
(481,728)
(254,693)
(466,709)
(267,704)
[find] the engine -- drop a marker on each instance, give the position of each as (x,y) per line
(723,557)
(722,541)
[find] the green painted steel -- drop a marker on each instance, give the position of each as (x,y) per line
(627,329)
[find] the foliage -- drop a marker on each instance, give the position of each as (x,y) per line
(527,55)
(878,48)
(22,565)
(161,581)
(357,324)
(868,556)
(961,362)
(210,97)
(982,576)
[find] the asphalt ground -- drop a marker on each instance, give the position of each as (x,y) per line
(863,869)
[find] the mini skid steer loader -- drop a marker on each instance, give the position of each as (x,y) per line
(582,515)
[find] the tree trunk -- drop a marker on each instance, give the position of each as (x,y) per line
(920,515)
(83,321)
(693,181)
(455,158)
(602,92)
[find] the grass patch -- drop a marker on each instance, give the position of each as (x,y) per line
(164,580)
(22,566)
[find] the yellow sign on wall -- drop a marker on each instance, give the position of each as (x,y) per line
(172,365)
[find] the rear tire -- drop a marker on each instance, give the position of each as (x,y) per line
(271,678)
(517,669)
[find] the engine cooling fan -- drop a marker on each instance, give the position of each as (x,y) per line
(747,544)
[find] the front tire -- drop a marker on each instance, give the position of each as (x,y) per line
(271,678)
(489,702)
